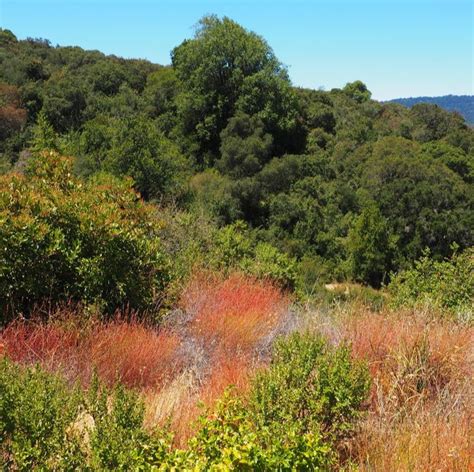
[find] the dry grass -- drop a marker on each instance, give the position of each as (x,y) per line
(428,441)
(422,398)
(120,351)
(235,313)
(421,408)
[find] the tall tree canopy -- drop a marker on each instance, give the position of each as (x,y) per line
(226,67)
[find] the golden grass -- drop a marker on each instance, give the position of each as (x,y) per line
(421,409)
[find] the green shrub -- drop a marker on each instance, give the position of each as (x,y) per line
(61,239)
(298,412)
(118,440)
(47,425)
(445,285)
(236,247)
(230,439)
(312,385)
(36,409)
(268,262)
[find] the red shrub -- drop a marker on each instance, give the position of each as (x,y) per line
(51,345)
(133,354)
(226,372)
(125,351)
(235,313)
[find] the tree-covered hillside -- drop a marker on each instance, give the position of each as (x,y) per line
(348,187)
(463,104)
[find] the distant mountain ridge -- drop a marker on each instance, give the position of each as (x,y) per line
(463,104)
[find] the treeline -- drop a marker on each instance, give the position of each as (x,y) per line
(463,104)
(334,184)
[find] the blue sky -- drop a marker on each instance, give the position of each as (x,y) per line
(399,48)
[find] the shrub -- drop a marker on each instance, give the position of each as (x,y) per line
(230,439)
(118,440)
(236,247)
(61,238)
(125,351)
(235,313)
(47,425)
(312,385)
(35,410)
(370,246)
(298,409)
(446,285)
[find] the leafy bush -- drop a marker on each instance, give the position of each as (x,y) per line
(46,425)
(298,410)
(310,385)
(371,247)
(35,410)
(447,285)
(236,248)
(61,238)
(118,440)
(230,439)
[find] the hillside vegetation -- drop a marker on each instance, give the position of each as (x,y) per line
(203,267)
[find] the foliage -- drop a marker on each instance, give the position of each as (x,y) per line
(245,147)
(139,150)
(371,247)
(221,69)
(223,133)
(447,285)
(424,202)
(44,136)
(237,248)
(462,104)
(35,410)
(62,238)
(47,425)
(357,91)
(230,439)
(310,385)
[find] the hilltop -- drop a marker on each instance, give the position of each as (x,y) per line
(463,104)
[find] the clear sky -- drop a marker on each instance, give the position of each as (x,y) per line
(399,48)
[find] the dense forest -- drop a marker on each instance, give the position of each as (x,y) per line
(463,104)
(350,187)
(204,267)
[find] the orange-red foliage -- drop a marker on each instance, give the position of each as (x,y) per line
(226,371)
(51,344)
(235,313)
(125,351)
(134,354)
